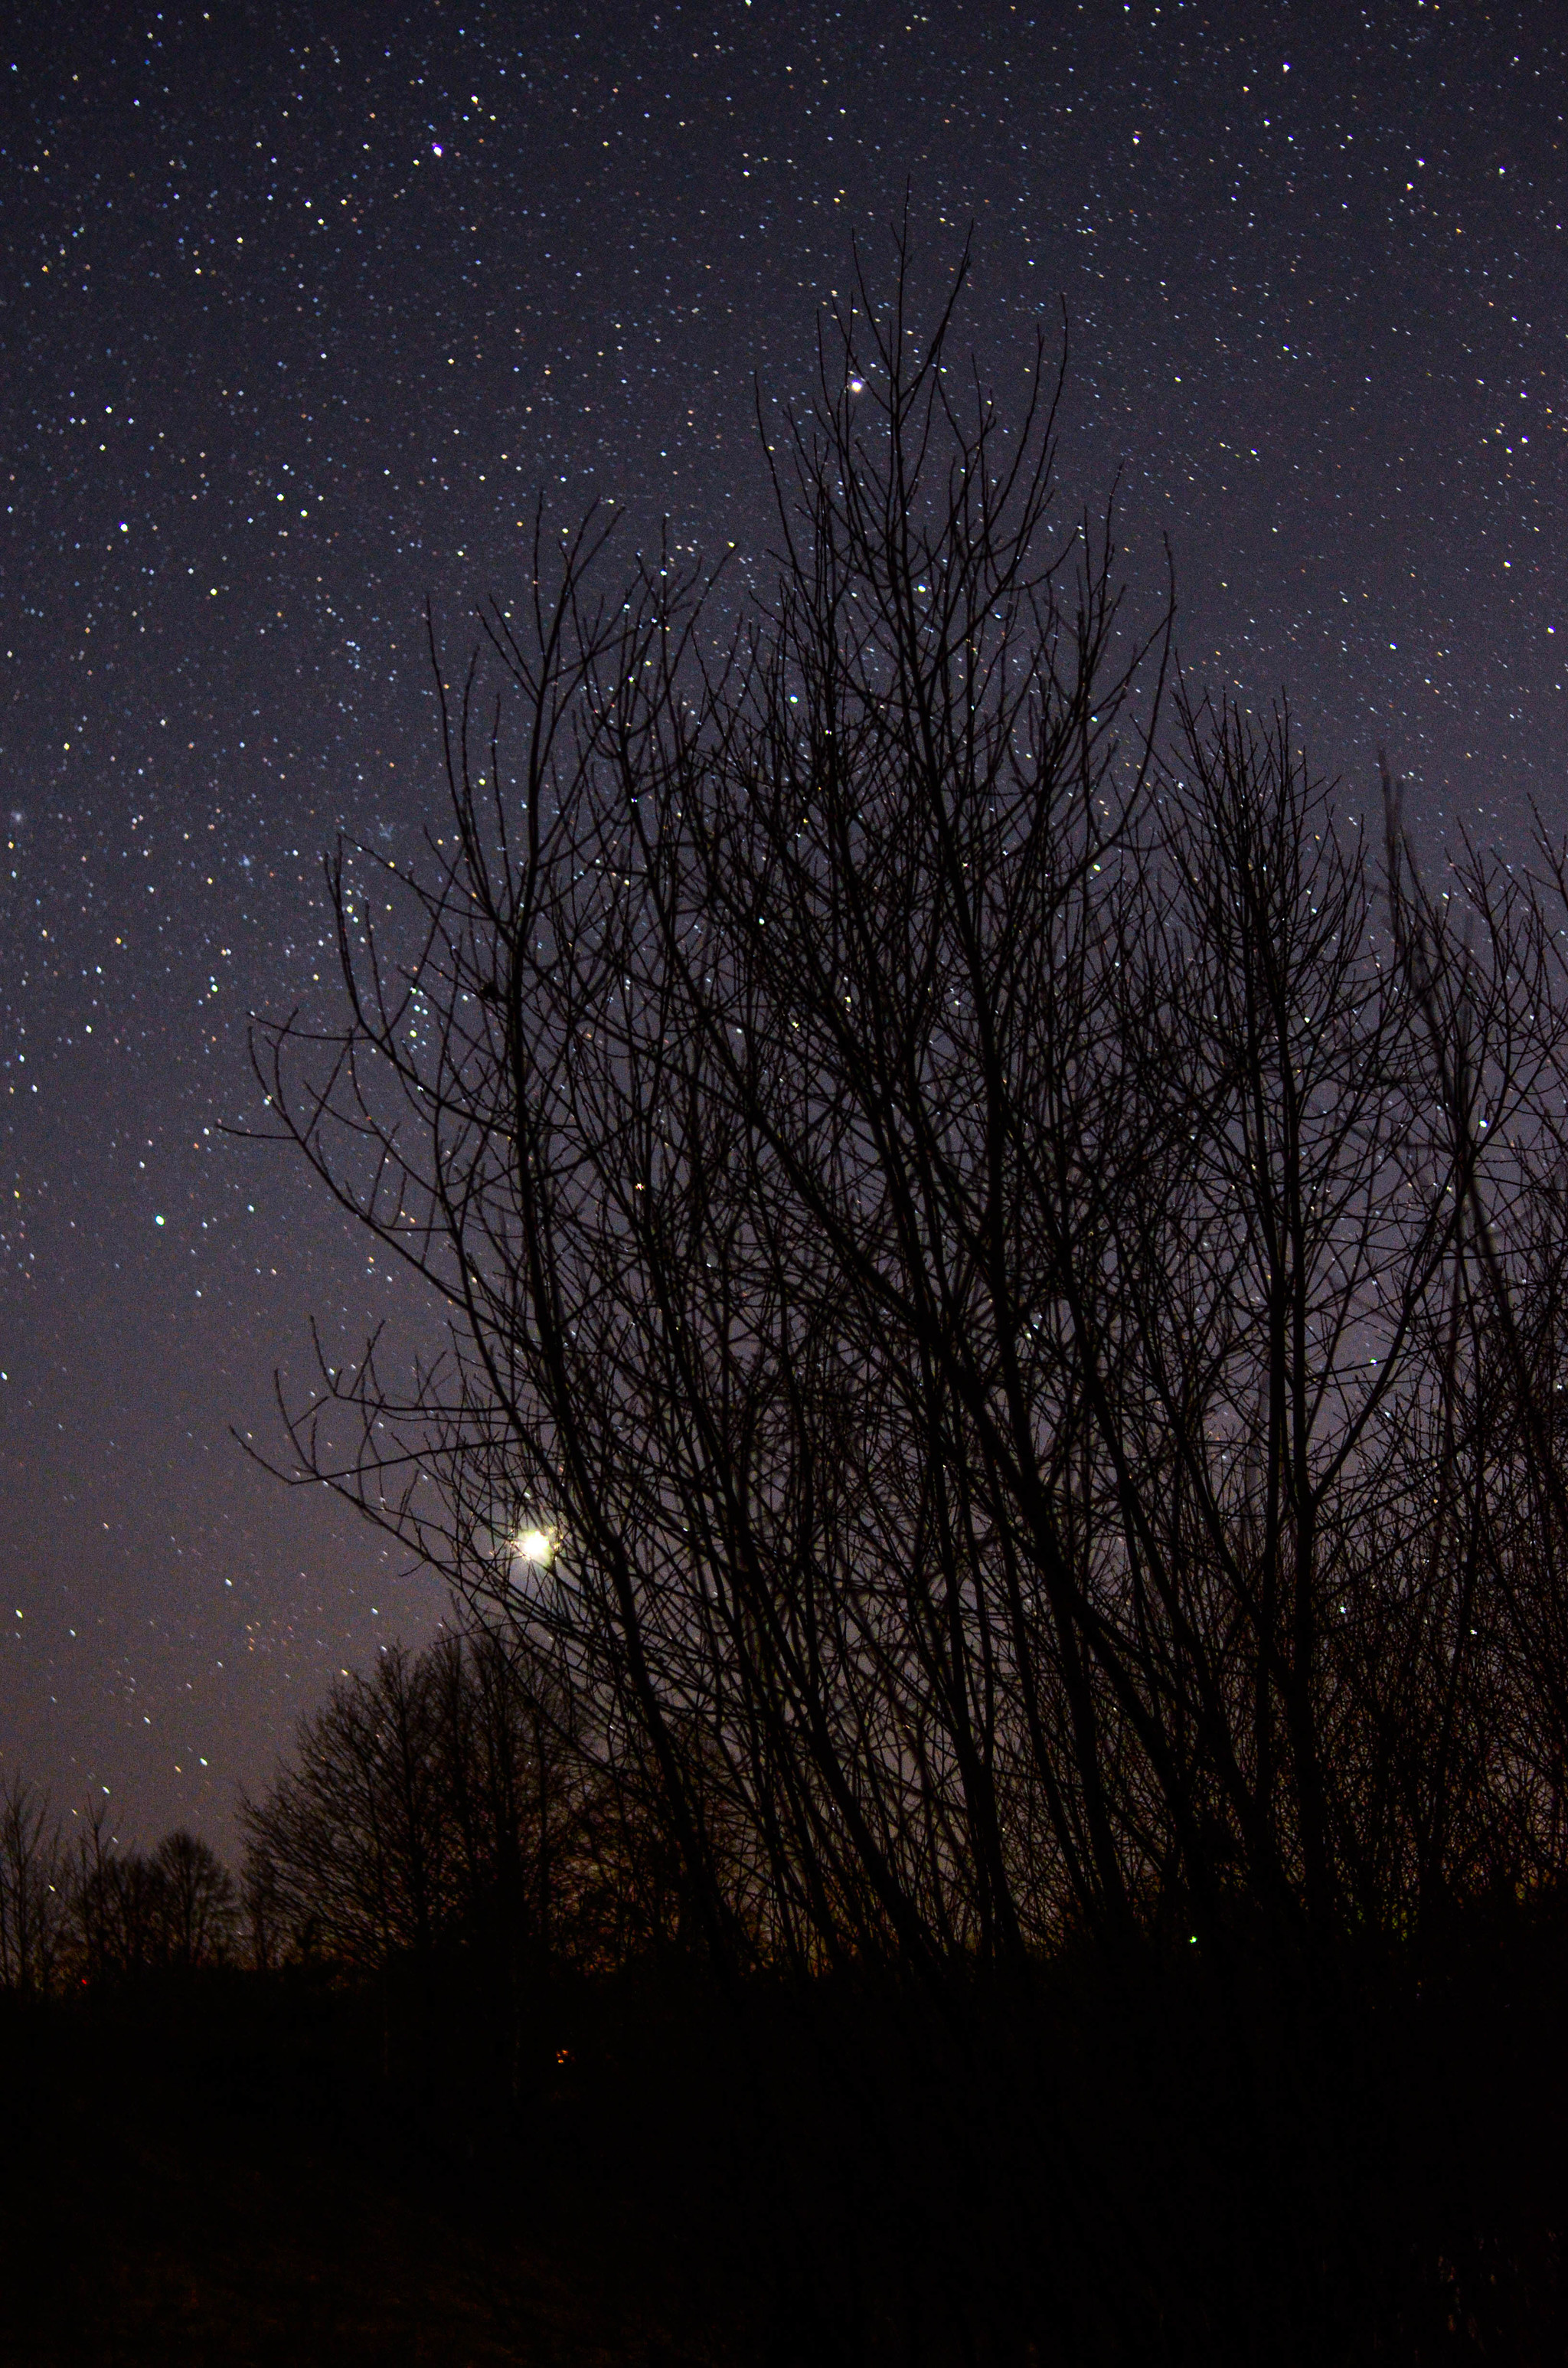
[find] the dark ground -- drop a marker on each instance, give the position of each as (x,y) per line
(211,2172)
(1178,2168)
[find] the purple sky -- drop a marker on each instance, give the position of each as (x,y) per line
(294,325)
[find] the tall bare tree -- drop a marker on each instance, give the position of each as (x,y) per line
(973,1329)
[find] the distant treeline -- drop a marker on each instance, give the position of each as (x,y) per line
(76,1910)
(438,1802)
(444,1801)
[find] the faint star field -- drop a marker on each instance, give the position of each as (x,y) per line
(300,310)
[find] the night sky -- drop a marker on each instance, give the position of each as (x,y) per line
(301,308)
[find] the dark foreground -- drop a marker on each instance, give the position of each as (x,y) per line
(1167,2164)
(215,2171)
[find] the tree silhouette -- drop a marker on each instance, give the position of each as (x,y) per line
(33,1888)
(955,1240)
(131,1913)
(441,1801)
(1004,1266)
(197,1912)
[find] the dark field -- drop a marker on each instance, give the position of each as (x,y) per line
(215,2172)
(1162,2165)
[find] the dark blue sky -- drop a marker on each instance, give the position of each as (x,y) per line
(299,310)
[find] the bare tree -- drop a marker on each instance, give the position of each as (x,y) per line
(350,1839)
(437,1802)
(133,1912)
(33,1888)
(968,1355)
(197,1901)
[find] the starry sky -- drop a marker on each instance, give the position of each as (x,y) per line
(300,307)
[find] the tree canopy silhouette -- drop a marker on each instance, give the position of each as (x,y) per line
(1004,1257)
